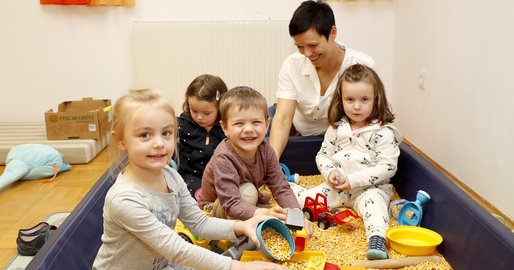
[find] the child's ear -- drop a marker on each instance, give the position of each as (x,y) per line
(119,140)
(268,121)
(224,127)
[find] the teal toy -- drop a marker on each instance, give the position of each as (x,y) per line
(280,227)
(293,178)
(173,165)
(32,161)
(411,212)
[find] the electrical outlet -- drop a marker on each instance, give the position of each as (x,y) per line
(422,80)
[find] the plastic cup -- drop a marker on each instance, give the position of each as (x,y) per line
(279,226)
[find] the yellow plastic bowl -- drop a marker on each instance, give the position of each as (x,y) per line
(412,240)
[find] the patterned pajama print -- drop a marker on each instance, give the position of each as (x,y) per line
(367,158)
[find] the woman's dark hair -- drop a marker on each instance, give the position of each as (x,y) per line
(312,14)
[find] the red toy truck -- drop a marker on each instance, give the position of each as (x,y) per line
(317,209)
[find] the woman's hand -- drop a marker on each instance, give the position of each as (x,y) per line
(255,265)
(275,211)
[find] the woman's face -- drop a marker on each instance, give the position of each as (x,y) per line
(315,46)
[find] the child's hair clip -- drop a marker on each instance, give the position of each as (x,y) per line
(217,95)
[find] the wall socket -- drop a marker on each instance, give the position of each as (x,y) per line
(422,79)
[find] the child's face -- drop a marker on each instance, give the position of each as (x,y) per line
(204,113)
(149,138)
(246,129)
(358,100)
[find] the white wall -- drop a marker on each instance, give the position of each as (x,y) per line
(54,53)
(465,118)
(50,53)
(368,26)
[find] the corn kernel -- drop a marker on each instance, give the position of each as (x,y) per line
(276,244)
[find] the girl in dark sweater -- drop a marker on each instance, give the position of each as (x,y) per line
(199,128)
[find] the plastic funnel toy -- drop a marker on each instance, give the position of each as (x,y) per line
(279,226)
(411,212)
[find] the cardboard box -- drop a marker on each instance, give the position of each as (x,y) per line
(83,119)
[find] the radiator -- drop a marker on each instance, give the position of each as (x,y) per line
(169,55)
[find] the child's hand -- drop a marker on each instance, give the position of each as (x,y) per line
(249,227)
(337,181)
(276,211)
(343,184)
(333,177)
(255,265)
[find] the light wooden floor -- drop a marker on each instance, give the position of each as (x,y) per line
(25,203)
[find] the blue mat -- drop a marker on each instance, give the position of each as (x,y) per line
(473,238)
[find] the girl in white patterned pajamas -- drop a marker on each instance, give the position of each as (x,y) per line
(359,154)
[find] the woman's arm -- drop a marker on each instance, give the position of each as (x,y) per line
(281,125)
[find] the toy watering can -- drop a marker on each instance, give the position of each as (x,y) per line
(410,212)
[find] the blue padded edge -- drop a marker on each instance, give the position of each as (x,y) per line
(473,238)
(300,154)
(77,240)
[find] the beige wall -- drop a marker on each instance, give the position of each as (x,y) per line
(54,53)
(464,119)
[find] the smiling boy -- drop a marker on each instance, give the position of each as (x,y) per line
(244,162)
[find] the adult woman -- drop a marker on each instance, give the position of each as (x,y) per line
(308,78)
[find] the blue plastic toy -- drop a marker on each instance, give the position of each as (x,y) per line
(293,178)
(173,165)
(410,212)
(279,226)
